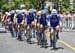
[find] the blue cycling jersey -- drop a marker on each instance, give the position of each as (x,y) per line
(34,14)
(54,21)
(43,21)
(19,18)
(30,19)
(11,17)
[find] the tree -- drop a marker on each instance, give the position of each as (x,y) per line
(14,4)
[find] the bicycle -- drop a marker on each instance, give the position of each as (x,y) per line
(28,34)
(42,41)
(54,40)
(19,37)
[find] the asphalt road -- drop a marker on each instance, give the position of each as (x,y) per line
(11,45)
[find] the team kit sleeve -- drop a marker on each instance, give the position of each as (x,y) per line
(60,21)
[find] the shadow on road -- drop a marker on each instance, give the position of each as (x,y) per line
(57,48)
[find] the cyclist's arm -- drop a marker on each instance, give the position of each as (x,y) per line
(60,23)
(35,22)
(59,27)
(48,22)
(15,19)
(40,22)
(4,18)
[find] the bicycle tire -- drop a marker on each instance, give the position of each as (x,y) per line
(54,40)
(54,45)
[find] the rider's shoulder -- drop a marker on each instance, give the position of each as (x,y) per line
(58,16)
(49,16)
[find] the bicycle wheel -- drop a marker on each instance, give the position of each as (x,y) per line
(54,45)
(54,40)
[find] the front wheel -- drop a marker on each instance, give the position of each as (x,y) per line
(54,40)
(54,45)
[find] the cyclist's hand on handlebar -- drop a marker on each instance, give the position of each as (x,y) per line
(28,27)
(41,26)
(38,25)
(22,21)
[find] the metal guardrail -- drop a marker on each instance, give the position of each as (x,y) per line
(68,23)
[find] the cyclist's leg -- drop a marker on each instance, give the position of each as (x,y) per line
(15,30)
(57,34)
(6,24)
(27,30)
(44,36)
(38,35)
(19,32)
(23,31)
(51,37)
(45,31)
(33,29)
(28,34)
(41,34)
(9,25)
(3,24)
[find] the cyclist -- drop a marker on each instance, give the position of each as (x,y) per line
(5,19)
(43,25)
(54,22)
(11,21)
(30,21)
(20,19)
(38,31)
